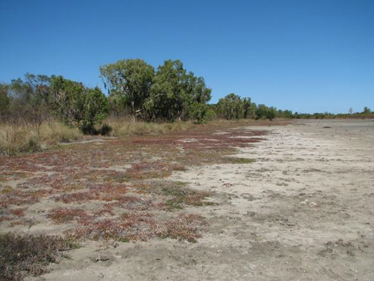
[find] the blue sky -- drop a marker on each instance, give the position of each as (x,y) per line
(307,56)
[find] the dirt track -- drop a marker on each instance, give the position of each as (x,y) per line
(302,211)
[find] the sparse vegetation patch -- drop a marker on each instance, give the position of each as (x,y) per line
(28,254)
(238,160)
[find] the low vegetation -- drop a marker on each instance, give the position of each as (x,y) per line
(28,254)
(40,110)
(25,137)
(117,189)
(238,160)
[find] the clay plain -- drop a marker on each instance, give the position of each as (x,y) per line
(235,201)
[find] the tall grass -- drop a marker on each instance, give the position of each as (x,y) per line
(28,137)
(127,127)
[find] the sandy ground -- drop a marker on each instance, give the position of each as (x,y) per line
(302,211)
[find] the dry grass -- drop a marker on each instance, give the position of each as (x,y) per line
(20,138)
(17,139)
(56,132)
(126,127)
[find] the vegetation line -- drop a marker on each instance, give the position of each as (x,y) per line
(40,109)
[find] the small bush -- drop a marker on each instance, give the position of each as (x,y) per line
(105,130)
(29,254)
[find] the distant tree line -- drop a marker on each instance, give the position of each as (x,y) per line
(135,89)
(365,113)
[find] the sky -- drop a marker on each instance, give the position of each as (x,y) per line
(302,55)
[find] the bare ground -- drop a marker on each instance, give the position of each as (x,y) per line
(302,211)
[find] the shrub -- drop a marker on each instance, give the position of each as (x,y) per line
(30,254)
(105,130)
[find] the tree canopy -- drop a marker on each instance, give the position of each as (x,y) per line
(129,81)
(174,91)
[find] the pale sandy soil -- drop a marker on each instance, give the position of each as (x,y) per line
(302,211)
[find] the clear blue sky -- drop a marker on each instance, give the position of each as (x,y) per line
(306,56)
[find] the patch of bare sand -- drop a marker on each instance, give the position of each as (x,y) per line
(302,211)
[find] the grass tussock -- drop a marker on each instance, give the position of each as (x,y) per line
(27,138)
(55,132)
(28,254)
(17,139)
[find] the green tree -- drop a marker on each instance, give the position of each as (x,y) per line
(129,79)
(270,113)
(261,111)
(202,113)
(231,107)
(95,109)
(76,104)
(4,100)
(366,110)
(67,99)
(174,92)
(247,108)
(118,106)
(285,114)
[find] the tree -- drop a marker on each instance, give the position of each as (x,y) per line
(67,99)
(286,114)
(174,92)
(253,111)
(4,100)
(264,112)
(202,113)
(29,98)
(76,104)
(247,108)
(231,107)
(129,79)
(118,106)
(261,111)
(366,110)
(270,113)
(95,109)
